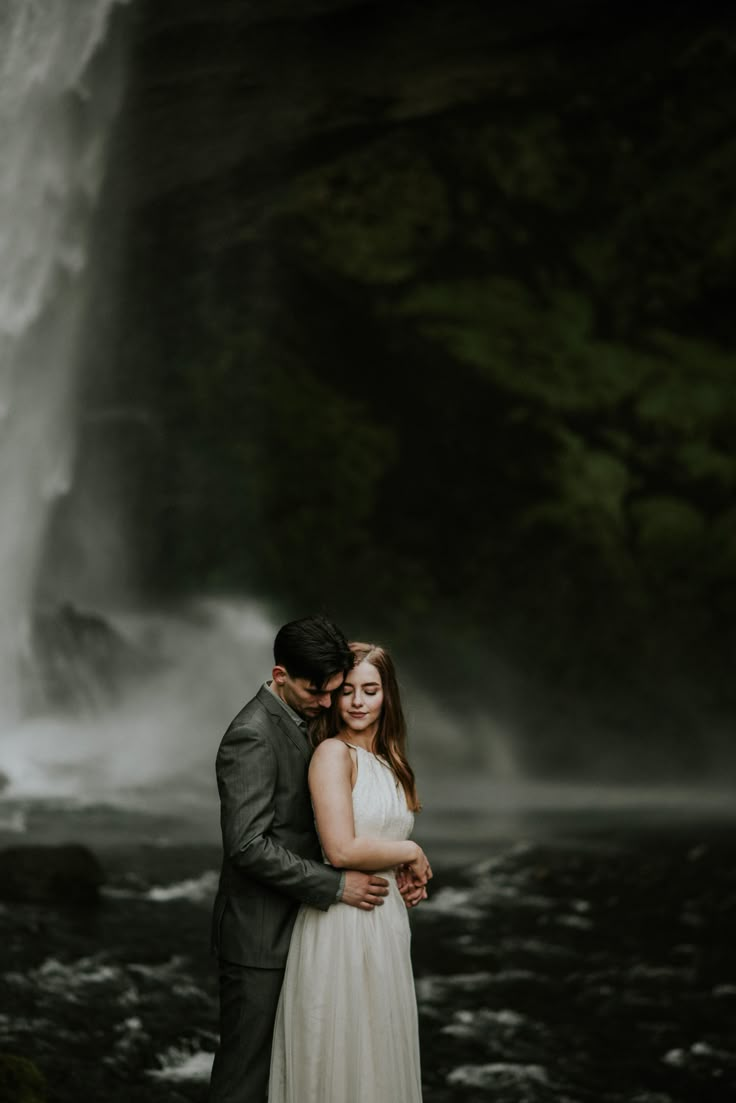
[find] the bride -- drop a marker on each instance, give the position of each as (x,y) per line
(346,1025)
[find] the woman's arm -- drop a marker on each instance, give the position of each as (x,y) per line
(330,787)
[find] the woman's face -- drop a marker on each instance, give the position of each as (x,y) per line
(361,699)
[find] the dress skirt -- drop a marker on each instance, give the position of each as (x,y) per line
(346,1025)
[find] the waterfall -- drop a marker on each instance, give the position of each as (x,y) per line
(60,83)
(59,92)
(57,102)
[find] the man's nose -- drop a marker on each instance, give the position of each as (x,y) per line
(324,701)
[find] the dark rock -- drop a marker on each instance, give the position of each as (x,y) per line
(79,660)
(66,874)
(20,1081)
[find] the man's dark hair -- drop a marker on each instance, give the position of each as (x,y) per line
(312,648)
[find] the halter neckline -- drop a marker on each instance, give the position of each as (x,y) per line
(378,757)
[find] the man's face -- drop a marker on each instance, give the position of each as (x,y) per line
(302,695)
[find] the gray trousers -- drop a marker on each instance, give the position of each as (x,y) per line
(248,1001)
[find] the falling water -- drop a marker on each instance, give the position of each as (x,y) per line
(56,109)
(59,93)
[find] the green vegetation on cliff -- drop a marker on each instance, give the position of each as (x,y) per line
(444,347)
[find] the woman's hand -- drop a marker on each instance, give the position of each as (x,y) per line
(419,867)
(412,893)
(412,890)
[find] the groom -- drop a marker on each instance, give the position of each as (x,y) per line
(271,854)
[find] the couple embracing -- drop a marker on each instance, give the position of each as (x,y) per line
(310,923)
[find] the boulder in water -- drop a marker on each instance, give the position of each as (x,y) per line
(65,874)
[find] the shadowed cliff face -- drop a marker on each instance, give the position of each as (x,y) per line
(425,312)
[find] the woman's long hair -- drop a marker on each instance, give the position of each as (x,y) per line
(390,741)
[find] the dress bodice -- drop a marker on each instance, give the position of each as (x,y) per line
(379,802)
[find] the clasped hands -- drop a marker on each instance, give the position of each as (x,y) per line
(367,890)
(412,878)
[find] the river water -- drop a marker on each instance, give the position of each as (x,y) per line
(575,960)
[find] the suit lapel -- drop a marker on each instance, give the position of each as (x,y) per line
(285,723)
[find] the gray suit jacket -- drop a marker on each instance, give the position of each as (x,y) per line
(271,853)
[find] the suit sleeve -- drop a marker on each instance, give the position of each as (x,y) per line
(246,779)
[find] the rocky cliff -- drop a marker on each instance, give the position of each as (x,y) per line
(424,311)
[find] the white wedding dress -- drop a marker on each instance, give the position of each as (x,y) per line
(346,1025)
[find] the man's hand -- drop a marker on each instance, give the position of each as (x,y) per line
(412,890)
(364,890)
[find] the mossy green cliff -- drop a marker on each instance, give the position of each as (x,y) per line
(427,310)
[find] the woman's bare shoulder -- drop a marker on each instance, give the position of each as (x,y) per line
(333,754)
(332,764)
(332,750)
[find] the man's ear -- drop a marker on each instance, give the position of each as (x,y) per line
(279,675)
